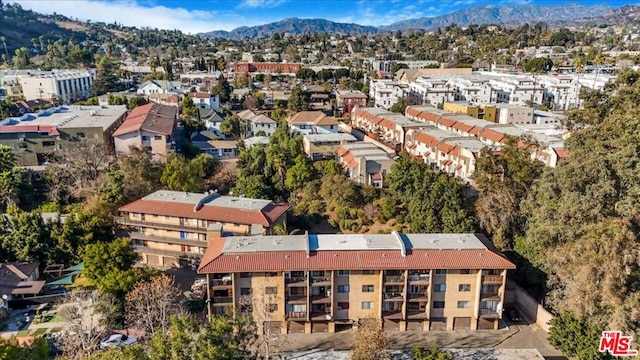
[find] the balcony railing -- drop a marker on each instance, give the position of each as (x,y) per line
(294,281)
(221,282)
(488,313)
(123,220)
(222,300)
(393,296)
(492,279)
(164,239)
(419,278)
(317,280)
(296,298)
(416,314)
(302,315)
(174,253)
(320,315)
(392,314)
(490,296)
(320,299)
(418,296)
(394,279)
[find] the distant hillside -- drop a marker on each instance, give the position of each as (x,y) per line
(513,14)
(624,15)
(488,14)
(292,26)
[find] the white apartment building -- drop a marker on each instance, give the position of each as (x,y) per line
(432,90)
(474,89)
(385,93)
(68,87)
(514,114)
(385,65)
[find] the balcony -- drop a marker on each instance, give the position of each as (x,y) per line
(416,314)
(222,300)
(321,281)
(321,316)
(489,314)
(163,239)
(123,220)
(172,253)
(416,297)
(492,279)
(392,314)
(394,279)
(419,279)
(218,284)
(320,299)
(295,281)
(297,299)
(393,296)
(296,315)
(489,296)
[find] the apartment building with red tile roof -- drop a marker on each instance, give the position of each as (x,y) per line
(322,283)
(169,227)
(149,126)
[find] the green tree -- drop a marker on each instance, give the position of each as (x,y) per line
(233,126)
(299,174)
(538,65)
(37,350)
(306,74)
(299,100)
(24,237)
(188,109)
(433,353)
(399,106)
(397,66)
(502,182)
(136,101)
(252,186)
(135,352)
(222,89)
(21,59)
(141,175)
(576,338)
(180,174)
(106,79)
(109,266)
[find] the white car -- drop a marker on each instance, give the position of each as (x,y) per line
(117,340)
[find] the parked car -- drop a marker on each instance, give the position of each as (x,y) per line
(117,340)
(513,315)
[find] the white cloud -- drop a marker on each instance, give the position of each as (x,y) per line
(262,3)
(134,13)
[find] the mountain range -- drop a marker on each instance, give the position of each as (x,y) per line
(486,14)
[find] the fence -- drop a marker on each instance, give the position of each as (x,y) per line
(531,309)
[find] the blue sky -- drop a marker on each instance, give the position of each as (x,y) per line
(206,15)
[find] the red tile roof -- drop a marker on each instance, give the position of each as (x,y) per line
(562,153)
(10,129)
(492,135)
(266,216)
(376,176)
(200,95)
(413,111)
(215,261)
(155,118)
(443,120)
(341,151)
(428,139)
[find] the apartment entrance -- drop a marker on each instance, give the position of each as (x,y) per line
(415,325)
(486,324)
(320,326)
(438,324)
(296,327)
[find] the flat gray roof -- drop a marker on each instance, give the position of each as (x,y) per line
(331,242)
(329,137)
(213,199)
(470,143)
(74,117)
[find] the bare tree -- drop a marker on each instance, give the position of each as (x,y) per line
(262,307)
(81,337)
(370,342)
(151,304)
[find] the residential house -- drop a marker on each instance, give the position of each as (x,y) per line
(324,146)
(346,100)
(205,100)
(212,120)
(219,149)
(312,122)
(149,126)
(258,123)
(30,106)
(159,87)
(168,99)
(172,228)
(35,138)
(18,280)
(332,282)
(365,163)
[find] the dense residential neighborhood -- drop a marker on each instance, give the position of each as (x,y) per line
(429,188)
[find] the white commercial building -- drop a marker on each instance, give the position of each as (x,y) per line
(67,87)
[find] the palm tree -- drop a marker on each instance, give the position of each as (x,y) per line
(281,229)
(154,63)
(4,43)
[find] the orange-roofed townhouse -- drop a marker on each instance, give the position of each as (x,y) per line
(422,143)
(312,122)
(172,228)
(367,119)
(334,282)
(149,126)
(458,156)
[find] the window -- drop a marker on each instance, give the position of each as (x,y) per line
(48,143)
(271,290)
(245,275)
(343,272)
(343,288)
(441,272)
(464,287)
(368,272)
(245,291)
(465,271)
(157,137)
(343,306)
(271,274)
(145,138)
(438,304)
(367,288)
(439,287)
(367,305)
(271,307)
(463,304)
(80,135)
